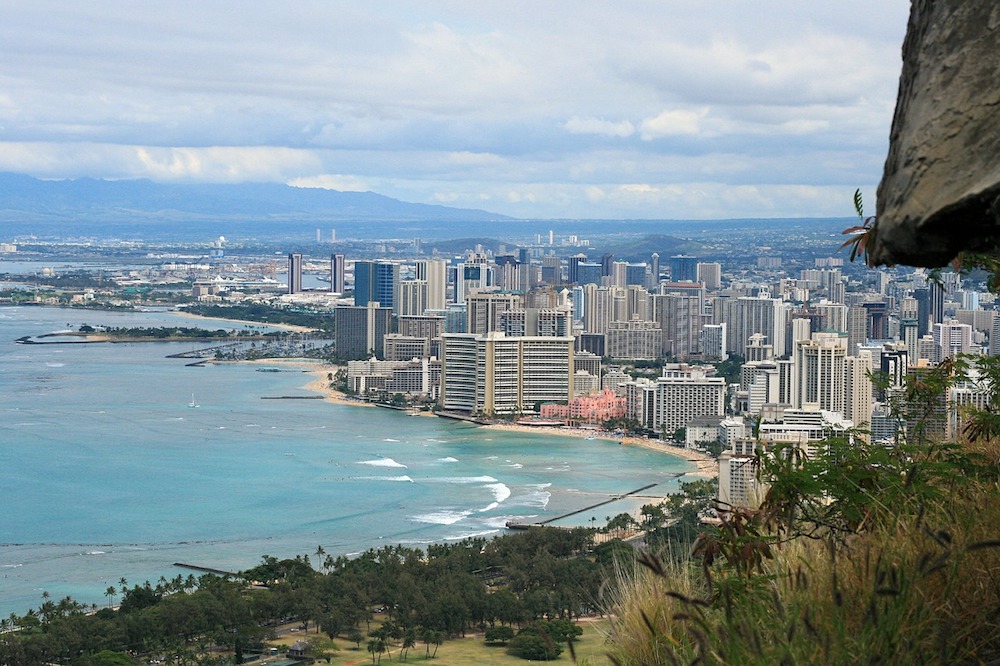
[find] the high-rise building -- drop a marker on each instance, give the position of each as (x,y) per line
(573,268)
(951,339)
(294,273)
(474,274)
(713,342)
(654,271)
(683,268)
(677,397)
(435,273)
(680,319)
(337,265)
(709,274)
(820,372)
(483,310)
(634,339)
(376,281)
(747,315)
(361,330)
(411,298)
(496,374)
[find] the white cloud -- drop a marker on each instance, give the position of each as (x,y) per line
(674,122)
(540,109)
(578,125)
(331,181)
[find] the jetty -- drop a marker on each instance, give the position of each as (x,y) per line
(524,526)
(210,570)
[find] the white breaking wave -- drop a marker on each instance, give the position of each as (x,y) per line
(386,478)
(444,517)
(382,462)
(470,535)
(448,459)
(465,479)
(390,439)
(500,493)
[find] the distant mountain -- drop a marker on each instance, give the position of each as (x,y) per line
(23,198)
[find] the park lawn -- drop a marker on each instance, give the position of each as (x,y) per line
(590,651)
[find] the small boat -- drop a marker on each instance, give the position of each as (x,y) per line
(193,403)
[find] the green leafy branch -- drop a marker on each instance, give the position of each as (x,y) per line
(861,236)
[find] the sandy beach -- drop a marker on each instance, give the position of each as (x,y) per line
(707,467)
(285,327)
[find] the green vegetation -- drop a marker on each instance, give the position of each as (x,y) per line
(862,553)
(385,600)
(321,321)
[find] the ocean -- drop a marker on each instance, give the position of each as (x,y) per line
(107,472)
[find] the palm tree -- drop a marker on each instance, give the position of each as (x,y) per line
(110,593)
(124,584)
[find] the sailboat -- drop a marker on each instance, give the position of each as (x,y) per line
(193,403)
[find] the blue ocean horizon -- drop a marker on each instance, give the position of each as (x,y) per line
(106,472)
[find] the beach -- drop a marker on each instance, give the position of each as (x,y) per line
(707,466)
(284,327)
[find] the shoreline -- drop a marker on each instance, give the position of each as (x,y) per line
(705,465)
(292,328)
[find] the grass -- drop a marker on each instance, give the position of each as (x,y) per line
(921,587)
(591,650)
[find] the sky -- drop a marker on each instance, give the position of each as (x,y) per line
(666,109)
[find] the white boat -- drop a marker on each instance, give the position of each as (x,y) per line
(193,403)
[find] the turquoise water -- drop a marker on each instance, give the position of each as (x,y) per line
(106,472)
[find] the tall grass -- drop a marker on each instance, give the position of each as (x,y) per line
(907,573)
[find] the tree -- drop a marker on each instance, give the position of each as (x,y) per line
(500,634)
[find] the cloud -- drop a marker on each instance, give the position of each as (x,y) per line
(673,123)
(621,129)
(553,109)
(331,181)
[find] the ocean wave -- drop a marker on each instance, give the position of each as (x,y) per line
(382,462)
(537,497)
(448,459)
(10,566)
(464,479)
(386,478)
(500,522)
(390,439)
(96,552)
(444,517)
(500,491)
(513,465)
(470,535)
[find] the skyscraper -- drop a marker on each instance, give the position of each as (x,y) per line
(435,273)
(683,268)
(337,284)
(294,273)
(375,281)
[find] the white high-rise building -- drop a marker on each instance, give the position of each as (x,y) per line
(681,394)
(435,273)
(951,339)
(820,373)
(496,374)
(411,298)
(747,315)
(709,274)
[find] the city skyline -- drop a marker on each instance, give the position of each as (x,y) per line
(533,111)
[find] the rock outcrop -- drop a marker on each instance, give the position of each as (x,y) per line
(939,192)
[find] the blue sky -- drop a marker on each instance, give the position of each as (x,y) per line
(562,109)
